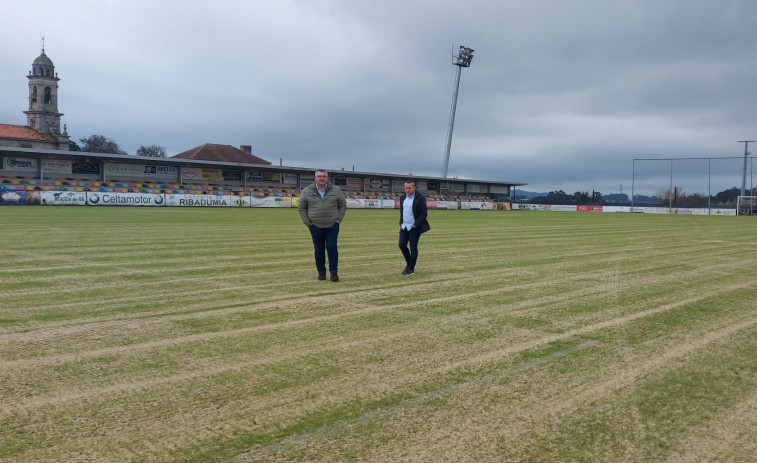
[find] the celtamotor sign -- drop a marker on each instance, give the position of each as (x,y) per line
(125,199)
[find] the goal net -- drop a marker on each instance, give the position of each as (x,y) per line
(746,205)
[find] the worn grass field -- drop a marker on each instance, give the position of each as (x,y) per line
(202,335)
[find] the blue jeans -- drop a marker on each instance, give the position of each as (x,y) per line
(324,241)
(410,236)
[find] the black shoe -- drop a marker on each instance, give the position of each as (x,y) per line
(404,272)
(409,272)
(334,276)
(321,276)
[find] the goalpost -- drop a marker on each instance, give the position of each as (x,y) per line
(746,205)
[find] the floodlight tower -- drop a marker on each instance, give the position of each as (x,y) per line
(746,156)
(462,60)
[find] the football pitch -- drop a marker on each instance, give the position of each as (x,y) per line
(202,335)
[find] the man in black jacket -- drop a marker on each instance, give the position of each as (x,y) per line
(413,223)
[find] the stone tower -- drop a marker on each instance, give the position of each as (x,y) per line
(43,114)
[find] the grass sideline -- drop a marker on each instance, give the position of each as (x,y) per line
(202,335)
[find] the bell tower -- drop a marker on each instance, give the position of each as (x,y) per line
(43,114)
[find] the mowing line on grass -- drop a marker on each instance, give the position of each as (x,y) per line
(327,430)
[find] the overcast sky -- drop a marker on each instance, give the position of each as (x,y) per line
(561,94)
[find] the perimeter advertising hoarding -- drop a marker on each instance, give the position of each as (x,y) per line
(62,198)
(13,197)
(125,199)
(270,201)
(49,198)
(477,205)
(354,203)
(207,200)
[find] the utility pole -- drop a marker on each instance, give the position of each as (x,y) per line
(746,155)
(462,60)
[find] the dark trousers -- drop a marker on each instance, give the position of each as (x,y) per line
(410,237)
(324,241)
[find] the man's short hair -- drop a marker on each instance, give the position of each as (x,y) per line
(410,180)
(321,170)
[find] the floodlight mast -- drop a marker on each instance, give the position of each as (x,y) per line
(462,60)
(746,156)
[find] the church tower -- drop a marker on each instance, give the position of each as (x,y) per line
(43,114)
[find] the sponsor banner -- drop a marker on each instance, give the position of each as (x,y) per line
(477,188)
(200,200)
(194,174)
(354,182)
(447,205)
(124,199)
(54,166)
(116,169)
(85,167)
(296,201)
(272,177)
(270,201)
(616,209)
(433,186)
(290,179)
(589,208)
(20,164)
(307,179)
(13,197)
(366,203)
(50,198)
(232,175)
(422,186)
(457,188)
(190,174)
(254,176)
(476,205)
(62,198)
(724,211)
(377,184)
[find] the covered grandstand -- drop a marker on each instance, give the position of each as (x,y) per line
(26,170)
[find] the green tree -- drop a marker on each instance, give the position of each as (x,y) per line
(100,144)
(153,151)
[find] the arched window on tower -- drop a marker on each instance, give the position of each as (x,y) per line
(34,94)
(48,95)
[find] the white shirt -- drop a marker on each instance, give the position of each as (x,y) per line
(408,219)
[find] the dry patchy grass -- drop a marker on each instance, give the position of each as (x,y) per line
(131,334)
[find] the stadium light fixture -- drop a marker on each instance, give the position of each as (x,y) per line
(462,60)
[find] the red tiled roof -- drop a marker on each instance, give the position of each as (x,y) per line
(22,132)
(221,153)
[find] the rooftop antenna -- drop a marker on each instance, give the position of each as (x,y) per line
(43,44)
(462,60)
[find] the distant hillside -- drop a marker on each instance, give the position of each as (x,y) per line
(522,194)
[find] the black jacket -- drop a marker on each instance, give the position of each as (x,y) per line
(420,212)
